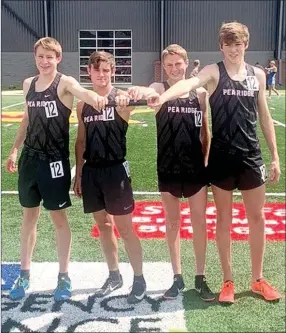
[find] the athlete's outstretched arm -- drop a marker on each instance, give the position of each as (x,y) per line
(139,92)
(21,133)
(79,150)
(88,96)
(184,86)
(205,134)
(267,127)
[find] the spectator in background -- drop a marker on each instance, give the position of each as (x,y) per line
(271,71)
(196,68)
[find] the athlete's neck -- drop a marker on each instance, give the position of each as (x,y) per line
(172,82)
(234,68)
(103,91)
(46,79)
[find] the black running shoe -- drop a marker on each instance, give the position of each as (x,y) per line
(203,289)
(177,287)
(137,293)
(109,286)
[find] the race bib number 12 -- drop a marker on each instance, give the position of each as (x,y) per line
(252,83)
(51,109)
(57,169)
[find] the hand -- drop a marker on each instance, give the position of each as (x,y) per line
(155,100)
(99,101)
(122,101)
(11,166)
(274,173)
(77,187)
(135,93)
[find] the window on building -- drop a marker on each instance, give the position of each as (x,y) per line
(116,42)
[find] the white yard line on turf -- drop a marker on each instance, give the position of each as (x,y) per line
(281,194)
(10,106)
(72,172)
(278,122)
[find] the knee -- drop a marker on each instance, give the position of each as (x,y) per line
(59,225)
(126,232)
(60,220)
(105,225)
(223,222)
(255,217)
(198,218)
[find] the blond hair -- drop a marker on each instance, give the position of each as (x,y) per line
(175,49)
(49,43)
(101,56)
(233,32)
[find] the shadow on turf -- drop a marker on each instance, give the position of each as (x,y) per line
(193,301)
(249,293)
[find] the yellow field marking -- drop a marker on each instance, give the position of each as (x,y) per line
(147,110)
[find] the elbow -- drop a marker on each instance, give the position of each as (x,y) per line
(266,122)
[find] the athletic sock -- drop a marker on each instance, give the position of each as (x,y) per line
(25,273)
(139,278)
(64,276)
(114,275)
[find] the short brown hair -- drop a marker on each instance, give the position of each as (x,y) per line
(233,32)
(175,49)
(49,43)
(101,56)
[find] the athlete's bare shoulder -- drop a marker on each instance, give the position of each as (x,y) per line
(213,69)
(27,83)
(68,81)
(65,88)
(208,75)
(68,78)
(259,72)
(28,80)
(64,80)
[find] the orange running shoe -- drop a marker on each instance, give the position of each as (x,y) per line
(264,289)
(227,293)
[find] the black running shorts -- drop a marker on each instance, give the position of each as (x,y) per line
(44,179)
(107,188)
(186,184)
(230,171)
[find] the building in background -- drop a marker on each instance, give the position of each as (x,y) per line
(135,32)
